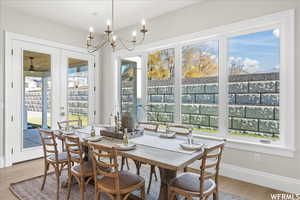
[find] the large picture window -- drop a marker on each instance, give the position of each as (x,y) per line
(200,70)
(235,82)
(160,75)
(254,62)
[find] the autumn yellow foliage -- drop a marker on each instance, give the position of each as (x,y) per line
(199,65)
(159,68)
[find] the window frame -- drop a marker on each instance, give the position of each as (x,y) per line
(285,22)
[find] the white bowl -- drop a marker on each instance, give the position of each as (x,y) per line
(168,135)
(191,147)
(128,147)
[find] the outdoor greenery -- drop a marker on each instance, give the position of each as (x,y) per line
(37,121)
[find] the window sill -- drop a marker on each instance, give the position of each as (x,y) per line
(271,149)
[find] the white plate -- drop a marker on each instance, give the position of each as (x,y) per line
(167,135)
(94,138)
(191,147)
(128,147)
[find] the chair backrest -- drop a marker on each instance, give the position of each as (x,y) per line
(149,126)
(74,151)
(210,165)
(49,143)
(177,128)
(63,125)
(105,163)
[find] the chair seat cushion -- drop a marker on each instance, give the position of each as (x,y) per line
(87,168)
(62,157)
(127,179)
(191,182)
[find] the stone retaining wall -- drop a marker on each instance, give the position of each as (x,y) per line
(253,103)
(77,101)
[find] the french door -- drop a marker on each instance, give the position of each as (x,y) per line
(45,85)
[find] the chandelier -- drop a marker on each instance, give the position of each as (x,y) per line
(111,39)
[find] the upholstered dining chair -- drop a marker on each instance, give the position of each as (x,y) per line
(58,160)
(64,125)
(78,168)
(118,185)
(200,185)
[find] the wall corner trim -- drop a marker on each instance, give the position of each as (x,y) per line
(265,179)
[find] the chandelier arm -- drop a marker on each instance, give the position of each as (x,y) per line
(142,40)
(136,42)
(126,46)
(99,46)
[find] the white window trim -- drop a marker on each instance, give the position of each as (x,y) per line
(286,22)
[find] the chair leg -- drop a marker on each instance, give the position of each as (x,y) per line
(143,193)
(81,185)
(216,195)
(171,195)
(57,181)
(69,186)
(45,175)
(97,195)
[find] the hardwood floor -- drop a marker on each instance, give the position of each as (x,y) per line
(33,168)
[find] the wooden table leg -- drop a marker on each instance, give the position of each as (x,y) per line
(166,176)
(138,166)
(86,153)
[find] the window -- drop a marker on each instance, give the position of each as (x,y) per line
(254,62)
(200,69)
(160,74)
(130,75)
(78,90)
(235,81)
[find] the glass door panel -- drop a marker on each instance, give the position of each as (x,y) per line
(130,87)
(37,96)
(78,90)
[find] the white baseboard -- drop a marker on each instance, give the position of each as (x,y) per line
(265,179)
(1,162)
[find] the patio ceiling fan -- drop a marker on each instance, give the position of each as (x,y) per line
(32,67)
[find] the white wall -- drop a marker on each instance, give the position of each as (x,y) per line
(207,15)
(14,21)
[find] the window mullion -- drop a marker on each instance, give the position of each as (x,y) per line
(144,85)
(223,86)
(177,86)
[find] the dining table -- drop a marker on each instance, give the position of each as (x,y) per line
(164,153)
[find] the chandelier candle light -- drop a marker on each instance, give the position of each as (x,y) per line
(112,39)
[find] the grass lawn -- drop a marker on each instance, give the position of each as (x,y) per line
(38,120)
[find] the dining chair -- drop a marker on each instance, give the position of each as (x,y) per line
(149,126)
(118,185)
(176,128)
(64,125)
(200,185)
(58,160)
(78,168)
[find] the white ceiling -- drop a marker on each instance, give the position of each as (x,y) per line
(82,14)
